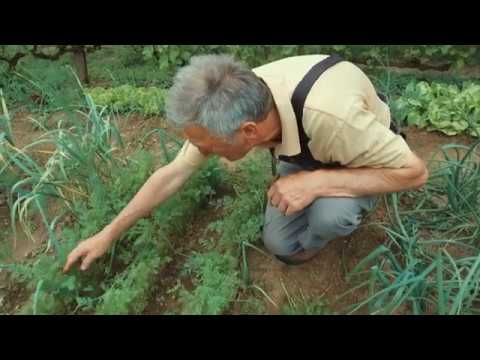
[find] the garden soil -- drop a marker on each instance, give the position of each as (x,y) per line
(324,276)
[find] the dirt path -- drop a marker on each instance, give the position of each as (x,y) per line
(325,275)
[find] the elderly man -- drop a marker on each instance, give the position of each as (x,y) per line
(319,115)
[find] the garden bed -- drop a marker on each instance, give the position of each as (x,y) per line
(324,277)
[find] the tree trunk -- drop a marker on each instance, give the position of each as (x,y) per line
(80,64)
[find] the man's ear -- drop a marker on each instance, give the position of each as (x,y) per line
(250,130)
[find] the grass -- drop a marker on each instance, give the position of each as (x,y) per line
(5,121)
(304,306)
(431,263)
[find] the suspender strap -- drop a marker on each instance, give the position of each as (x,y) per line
(303,88)
(305,158)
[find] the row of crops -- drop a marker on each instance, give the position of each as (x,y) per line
(430,263)
(448,108)
(92,182)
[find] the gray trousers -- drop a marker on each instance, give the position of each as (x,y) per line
(313,227)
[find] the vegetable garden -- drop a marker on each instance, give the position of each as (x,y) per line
(74,150)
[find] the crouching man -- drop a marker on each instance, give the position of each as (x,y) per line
(320,117)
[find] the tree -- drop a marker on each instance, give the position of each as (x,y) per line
(11,54)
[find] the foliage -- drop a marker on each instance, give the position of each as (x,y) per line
(156,65)
(170,57)
(12,54)
(446,108)
(58,292)
(82,154)
(393,84)
(128,293)
(95,185)
(245,212)
(126,98)
(129,290)
(216,283)
(5,121)
(120,283)
(217,271)
(42,87)
(431,263)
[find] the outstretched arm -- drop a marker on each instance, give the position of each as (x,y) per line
(158,188)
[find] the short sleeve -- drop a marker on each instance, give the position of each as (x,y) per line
(363,141)
(190,156)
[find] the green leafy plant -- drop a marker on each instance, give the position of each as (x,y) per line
(149,244)
(446,108)
(126,98)
(94,184)
(216,282)
(121,282)
(218,273)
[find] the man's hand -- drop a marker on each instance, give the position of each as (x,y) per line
(90,250)
(295,192)
(292,193)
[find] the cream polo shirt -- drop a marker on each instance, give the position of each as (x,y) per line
(343,117)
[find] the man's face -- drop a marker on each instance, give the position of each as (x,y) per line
(210,144)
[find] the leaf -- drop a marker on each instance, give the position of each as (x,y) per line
(70,283)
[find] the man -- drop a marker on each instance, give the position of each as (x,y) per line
(337,152)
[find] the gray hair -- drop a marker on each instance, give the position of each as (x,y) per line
(217,93)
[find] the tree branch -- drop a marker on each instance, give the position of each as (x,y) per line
(13,61)
(61,49)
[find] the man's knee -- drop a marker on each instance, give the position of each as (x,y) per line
(278,242)
(332,218)
(273,241)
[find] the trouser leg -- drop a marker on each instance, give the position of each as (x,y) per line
(312,228)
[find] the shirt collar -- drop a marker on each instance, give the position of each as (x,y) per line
(290,144)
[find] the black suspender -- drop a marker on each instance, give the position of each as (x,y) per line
(305,158)
(302,90)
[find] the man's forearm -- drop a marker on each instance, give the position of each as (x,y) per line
(158,188)
(364,181)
